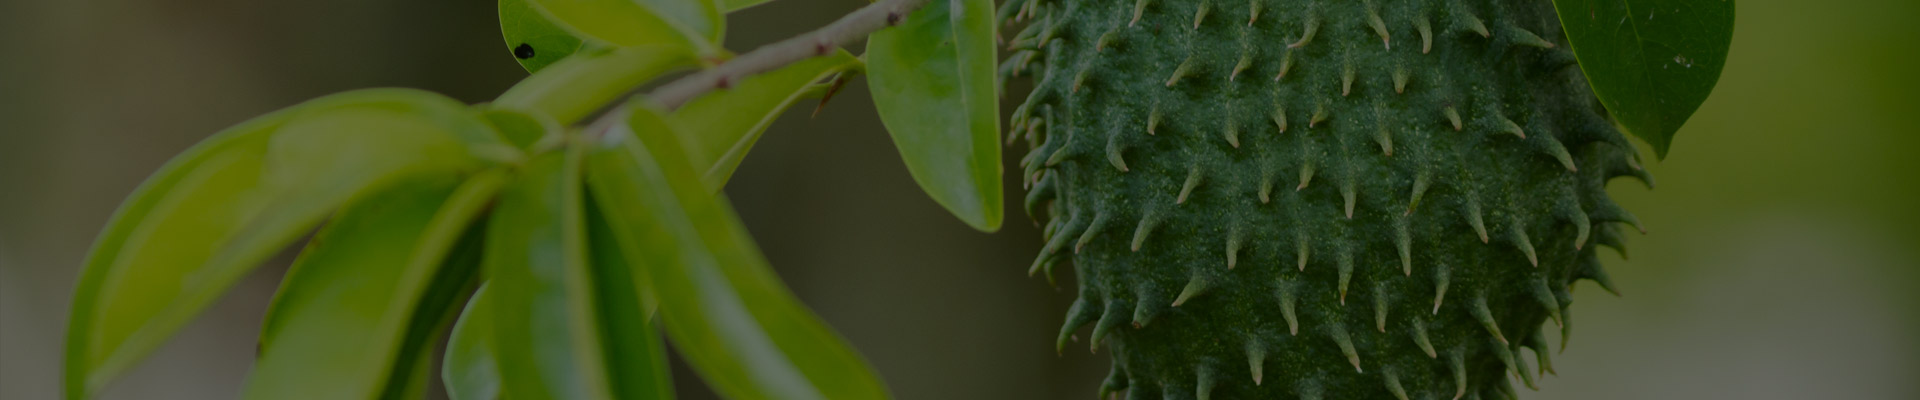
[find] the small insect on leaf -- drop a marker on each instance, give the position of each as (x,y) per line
(216,211)
(723,308)
(367,299)
(1652,62)
(932,79)
(720,127)
(536,41)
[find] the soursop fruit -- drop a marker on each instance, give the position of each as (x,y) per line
(1315,199)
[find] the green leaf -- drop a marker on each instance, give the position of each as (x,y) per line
(694,24)
(534,40)
(369,293)
(521,129)
(719,127)
(723,307)
(545,333)
(565,326)
(1652,62)
(626,301)
(932,79)
(220,208)
(469,368)
(577,86)
(438,309)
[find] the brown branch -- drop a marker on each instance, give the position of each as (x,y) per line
(821,42)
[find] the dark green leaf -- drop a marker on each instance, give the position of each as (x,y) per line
(534,40)
(368,294)
(723,308)
(469,369)
(577,86)
(718,128)
(1651,61)
(209,216)
(932,79)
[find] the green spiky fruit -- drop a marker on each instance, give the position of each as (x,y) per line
(1315,199)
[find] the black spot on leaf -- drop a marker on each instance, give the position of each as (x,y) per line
(524,51)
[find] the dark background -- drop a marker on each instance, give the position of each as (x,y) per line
(1783,262)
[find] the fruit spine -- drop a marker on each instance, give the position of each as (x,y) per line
(1314,199)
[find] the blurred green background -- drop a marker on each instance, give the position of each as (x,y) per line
(1783,263)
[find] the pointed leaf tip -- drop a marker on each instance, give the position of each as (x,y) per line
(1652,64)
(933,83)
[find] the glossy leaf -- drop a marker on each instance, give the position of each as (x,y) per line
(369,294)
(439,307)
(723,307)
(577,86)
(932,79)
(565,326)
(694,24)
(469,368)
(1652,62)
(216,211)
(545,333)
(533,39)
(637,359)
(720,127)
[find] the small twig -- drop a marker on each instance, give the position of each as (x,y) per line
(821,42)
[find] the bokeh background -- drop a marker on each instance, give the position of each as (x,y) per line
(1783,263)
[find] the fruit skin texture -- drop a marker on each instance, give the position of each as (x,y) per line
(1315,199)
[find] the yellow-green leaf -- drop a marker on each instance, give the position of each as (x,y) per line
(723,307)
(572,88)
(370,293)
(545,331)
(694,24)
(932,79)
(520,129)
(719,127)
(216,211)
(568,319)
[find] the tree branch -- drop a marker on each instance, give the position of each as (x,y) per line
(823,41)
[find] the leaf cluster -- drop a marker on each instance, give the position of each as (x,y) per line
(555,243)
